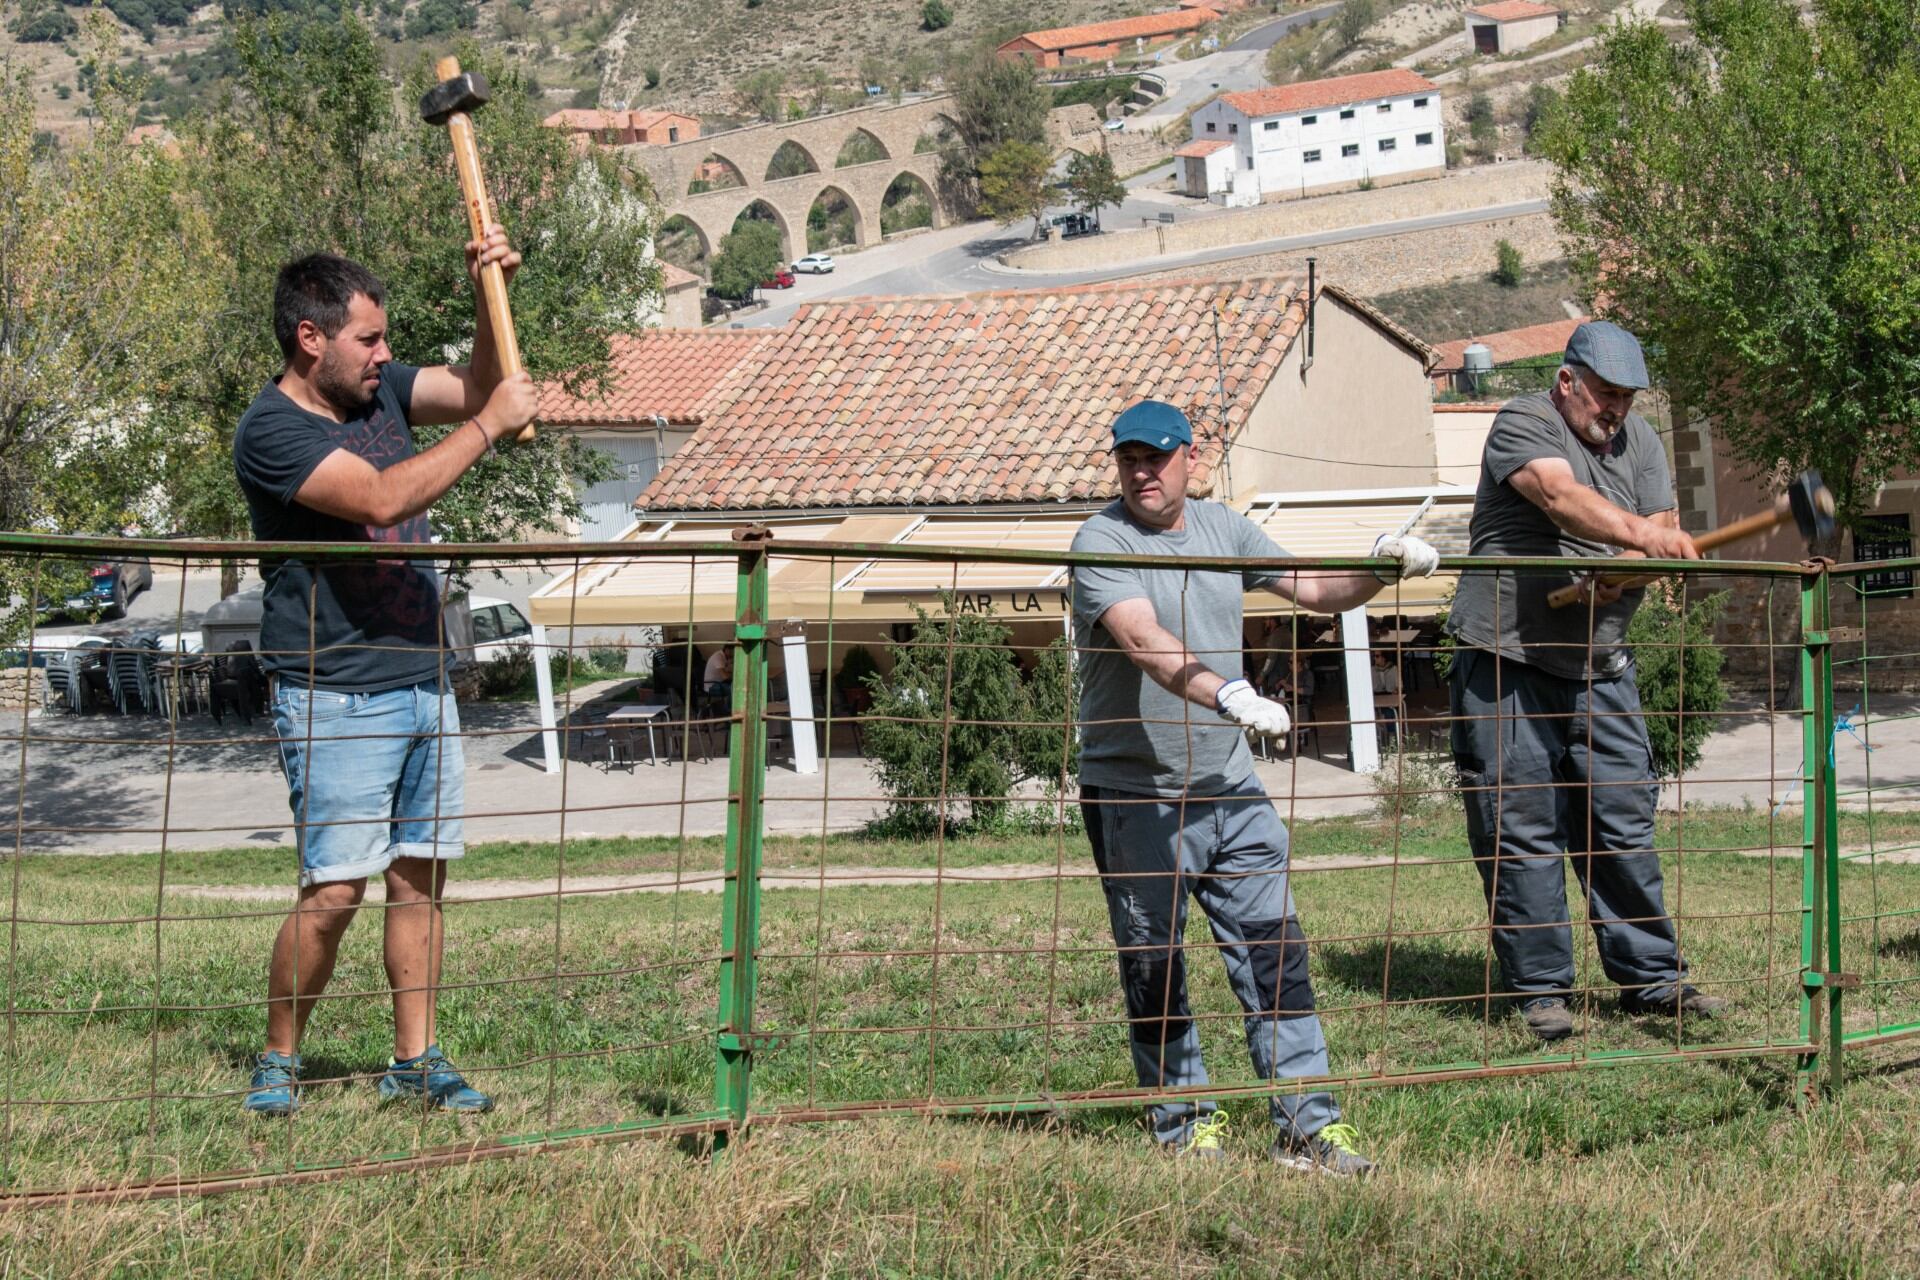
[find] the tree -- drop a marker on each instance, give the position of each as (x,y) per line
(1013,183)
(996,102)
(314,149)
(1542,101)
(1745,202)
(1480,116)
(747,255)
(1094,184)
(1351,22)
(1506,265)
(935,15)
(760,92)
(101,290)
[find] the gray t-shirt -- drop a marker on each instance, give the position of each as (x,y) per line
(1507,611)
(1135,736)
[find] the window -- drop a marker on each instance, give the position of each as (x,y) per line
(1419,102)
(1387,144)
(1349,149)
(1233,128)
(673,133)
(1305,120)
(1271,125)
(1422,139)
(1211,127)
(486,626)
(1249,162)
(1347,114)
(1310,157)
(1384,108)
(1886,538)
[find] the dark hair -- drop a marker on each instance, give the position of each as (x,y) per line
(318,288)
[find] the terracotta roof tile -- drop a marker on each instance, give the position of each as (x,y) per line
(1548,339)
(984,398)
(672,277)
(1144,27)
(1512,10)
(1365,87)
(674,373)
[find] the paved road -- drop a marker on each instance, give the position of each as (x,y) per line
(1273,32)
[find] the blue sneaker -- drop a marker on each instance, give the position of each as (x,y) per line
(273,1091)
(431,1076)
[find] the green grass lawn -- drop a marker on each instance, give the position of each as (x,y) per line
(598,1008)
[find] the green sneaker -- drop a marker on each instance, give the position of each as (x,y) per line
(1329,1151)
(1206,1140)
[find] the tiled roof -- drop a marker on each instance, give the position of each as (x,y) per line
(982,398)
(1548,339)
(1340,90)
(672,277)
(1145,26)
(674,373)
(647,119)
(585,118)
(1512,10)
(1204,147)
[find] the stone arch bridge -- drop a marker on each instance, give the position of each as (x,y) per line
(897,129)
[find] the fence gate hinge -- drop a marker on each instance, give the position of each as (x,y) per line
(1846,635)
(1814,978)
(752,1042)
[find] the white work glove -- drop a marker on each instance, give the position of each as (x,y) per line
(1239,703)
(1417,559)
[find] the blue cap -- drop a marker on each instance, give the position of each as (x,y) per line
(1154,423)
(1611,352)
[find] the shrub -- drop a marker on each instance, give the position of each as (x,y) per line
(611,659)
(1680,686)
(935,15)
(1506,265)
(1480,116)
(1414,784)
(508,676)
(653,77)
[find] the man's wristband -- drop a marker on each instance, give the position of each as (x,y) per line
(484,437)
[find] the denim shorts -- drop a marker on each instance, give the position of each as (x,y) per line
(371,777)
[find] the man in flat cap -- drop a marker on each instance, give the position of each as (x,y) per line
(1173,808)
(1548,735)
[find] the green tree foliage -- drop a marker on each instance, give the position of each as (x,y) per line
(1013,183)
(1506,265)
(997,102)
(759,92)
(936,15)
(43,23)
(971,734)
(1352,21)
(317,148)
(1746,203)
(1678,668)
(747,255)
(1480,116)
(1094,184)
(1542,101)
(102,297)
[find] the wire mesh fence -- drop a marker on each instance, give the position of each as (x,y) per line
(772,830)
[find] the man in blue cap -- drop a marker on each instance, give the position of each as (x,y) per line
(1169,794)
(1548,735)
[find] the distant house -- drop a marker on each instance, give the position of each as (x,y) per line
(1323,135)
(1103,41)
(1534,342)
(1206,167)
(1507,25)
(625,128)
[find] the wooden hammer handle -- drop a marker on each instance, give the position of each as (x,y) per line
(1746,527)
(493,281)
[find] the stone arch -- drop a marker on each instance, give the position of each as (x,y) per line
(716,173)
(840,215)
(903,194)
(862,146)
(773,215)
(790,159)
(682,241)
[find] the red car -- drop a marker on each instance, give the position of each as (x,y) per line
(781,279)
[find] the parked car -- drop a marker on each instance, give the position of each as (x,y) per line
(111,587)
(726,303)
(1114,125)
(816,263)
(1075,224)
(499,628)
(781,279)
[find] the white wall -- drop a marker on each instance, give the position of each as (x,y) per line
(1278,146)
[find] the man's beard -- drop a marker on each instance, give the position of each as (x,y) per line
(344,391)
(1597,433)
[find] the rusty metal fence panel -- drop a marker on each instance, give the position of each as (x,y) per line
(667,936)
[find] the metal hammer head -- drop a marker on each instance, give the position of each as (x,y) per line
(465,92)
(1812,504)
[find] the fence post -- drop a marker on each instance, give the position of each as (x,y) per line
(746,783)
(1820,975)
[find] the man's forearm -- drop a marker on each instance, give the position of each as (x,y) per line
(408,488)
(1330,592)
(1585,514)
(1169,664)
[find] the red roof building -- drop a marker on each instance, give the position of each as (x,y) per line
(1507,25)
(1338,91)
(1104,41)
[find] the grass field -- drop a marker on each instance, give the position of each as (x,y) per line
(597,1008)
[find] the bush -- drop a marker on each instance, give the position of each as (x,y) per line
(993,731)
(1354,18)
(1506,265)
(935,15)
(1480,116)
(610,658)
(653,77)
(1680,687)
(1414,784)
(47,25)
(505,677)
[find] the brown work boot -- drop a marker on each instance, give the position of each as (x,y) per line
(1548,1018)
(1685,1001)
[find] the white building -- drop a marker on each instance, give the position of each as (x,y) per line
(1507,25)
(1297,139)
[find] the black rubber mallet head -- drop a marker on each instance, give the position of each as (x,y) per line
(465,93)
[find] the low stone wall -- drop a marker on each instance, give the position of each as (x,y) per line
(20,688)
(1466,189)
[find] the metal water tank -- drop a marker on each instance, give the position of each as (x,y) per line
(1476,362)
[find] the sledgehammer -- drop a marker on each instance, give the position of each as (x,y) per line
(1807,502)
(452,103)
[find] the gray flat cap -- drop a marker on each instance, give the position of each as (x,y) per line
(1611,352)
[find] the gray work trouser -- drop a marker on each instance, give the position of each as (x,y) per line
(1553,767)
(1229,851)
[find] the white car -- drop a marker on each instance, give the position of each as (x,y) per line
(1114,125)
(499,628)
(814,263)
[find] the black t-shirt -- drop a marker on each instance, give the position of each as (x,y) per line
(375,623)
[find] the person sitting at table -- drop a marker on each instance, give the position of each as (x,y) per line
(719,673)
(1386,694)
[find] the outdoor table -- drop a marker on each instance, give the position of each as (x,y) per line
(647,714)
